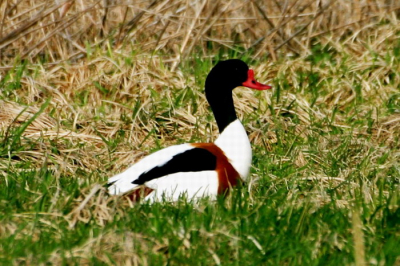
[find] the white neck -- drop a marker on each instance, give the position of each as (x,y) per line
(234,142)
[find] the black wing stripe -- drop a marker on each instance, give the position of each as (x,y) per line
(194,160)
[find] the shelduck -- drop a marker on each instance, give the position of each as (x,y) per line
(195,170)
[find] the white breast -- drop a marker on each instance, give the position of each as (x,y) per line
(234,142)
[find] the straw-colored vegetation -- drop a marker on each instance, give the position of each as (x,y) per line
(89,87)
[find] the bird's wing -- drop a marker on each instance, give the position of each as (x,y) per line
(174,159)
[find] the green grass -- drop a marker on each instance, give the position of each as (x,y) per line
(279,222)
(290,216)
(324,187)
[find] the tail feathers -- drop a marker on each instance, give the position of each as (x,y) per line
(118,185)
(113,179)
(136,194)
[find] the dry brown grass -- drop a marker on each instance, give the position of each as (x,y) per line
(131,49)
(63,30)
(72,35)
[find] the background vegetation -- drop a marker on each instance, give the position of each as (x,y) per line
(89,87)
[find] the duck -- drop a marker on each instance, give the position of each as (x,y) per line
(198,170)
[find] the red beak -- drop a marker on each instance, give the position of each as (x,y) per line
(253,84)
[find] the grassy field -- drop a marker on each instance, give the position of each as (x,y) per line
(89,87)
